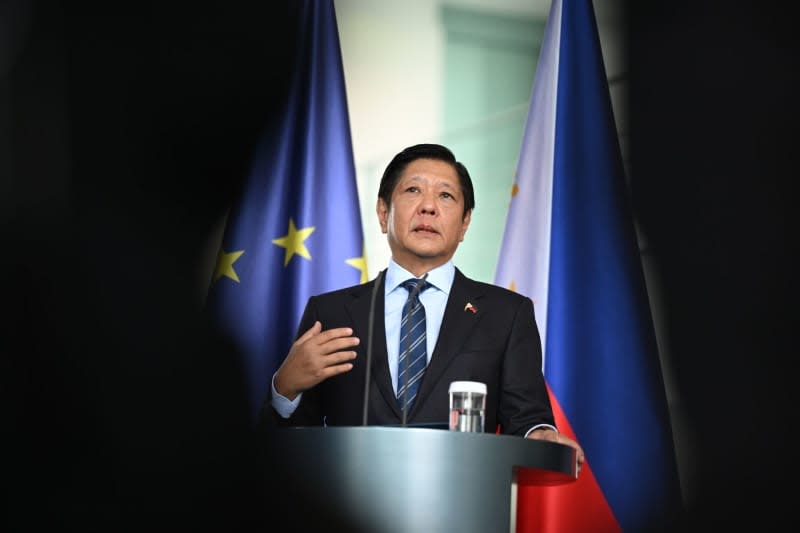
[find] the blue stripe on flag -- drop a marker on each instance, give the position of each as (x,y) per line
(602,359)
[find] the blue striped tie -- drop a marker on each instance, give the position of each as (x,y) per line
(413,358)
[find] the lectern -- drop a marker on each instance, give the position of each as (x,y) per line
(392,479)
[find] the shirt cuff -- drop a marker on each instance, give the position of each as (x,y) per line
(537,426)
(284,406)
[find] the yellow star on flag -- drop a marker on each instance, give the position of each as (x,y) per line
(293,242)
(225,265)
(360,263)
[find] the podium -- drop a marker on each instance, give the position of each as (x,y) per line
(394,479)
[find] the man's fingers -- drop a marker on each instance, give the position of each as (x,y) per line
(338,345)
(335,370)
(332,334)
(330,341)
(339,358)
(334,364)
(310,332)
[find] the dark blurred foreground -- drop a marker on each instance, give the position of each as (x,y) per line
(125,134)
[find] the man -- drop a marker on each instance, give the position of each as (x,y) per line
(470,331)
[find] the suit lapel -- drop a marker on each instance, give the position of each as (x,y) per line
(359,312)
(456,325)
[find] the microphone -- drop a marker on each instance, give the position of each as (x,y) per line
(406,310)
(371,321)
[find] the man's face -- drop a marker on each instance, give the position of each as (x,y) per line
(424,224)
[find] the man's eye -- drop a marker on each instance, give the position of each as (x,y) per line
(446,195)
(412,189)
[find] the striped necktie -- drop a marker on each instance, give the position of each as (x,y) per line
(413,351)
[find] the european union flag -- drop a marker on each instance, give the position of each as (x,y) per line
(296,230)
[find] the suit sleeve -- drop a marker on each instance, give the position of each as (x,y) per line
(524,401)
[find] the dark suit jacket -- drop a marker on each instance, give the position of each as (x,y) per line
(498,345)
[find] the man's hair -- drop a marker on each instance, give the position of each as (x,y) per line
(425,151)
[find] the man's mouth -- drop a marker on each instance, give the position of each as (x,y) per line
(424,228)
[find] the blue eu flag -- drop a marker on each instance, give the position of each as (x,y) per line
(296,230)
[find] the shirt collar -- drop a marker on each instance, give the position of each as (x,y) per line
(440,277)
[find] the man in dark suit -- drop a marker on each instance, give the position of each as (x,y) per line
(472,331)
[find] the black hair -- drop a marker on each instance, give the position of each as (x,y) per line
(425,151)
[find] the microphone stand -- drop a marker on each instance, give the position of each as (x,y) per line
(371,321)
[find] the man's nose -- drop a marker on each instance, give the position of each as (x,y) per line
(427,204)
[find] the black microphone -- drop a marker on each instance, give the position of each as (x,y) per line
(406,310)
(371,321)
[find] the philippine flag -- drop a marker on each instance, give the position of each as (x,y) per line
(570,245)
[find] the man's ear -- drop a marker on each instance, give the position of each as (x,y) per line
(383,214)
(465,224)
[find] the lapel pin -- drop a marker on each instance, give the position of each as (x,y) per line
(471,308)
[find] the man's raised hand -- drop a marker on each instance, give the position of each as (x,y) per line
(314,357)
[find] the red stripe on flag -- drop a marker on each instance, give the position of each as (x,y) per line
(576,507)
